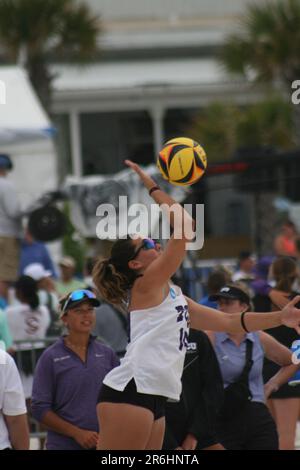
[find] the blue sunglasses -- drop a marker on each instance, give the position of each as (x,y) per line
(79,295)
(147,244)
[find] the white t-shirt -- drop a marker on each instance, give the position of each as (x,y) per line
(10,213)
(12,401)
(155,355)
(27,324)
(242,276)
(44,299)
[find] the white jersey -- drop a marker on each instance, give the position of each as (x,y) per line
(27,324)
(155,355)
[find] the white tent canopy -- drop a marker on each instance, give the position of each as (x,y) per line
(25,135)
(21,115)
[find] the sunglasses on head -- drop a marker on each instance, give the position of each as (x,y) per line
(147,244)
(78,295)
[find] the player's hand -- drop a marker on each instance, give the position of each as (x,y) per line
(269,388)
(147,180)
(86,439)
(290,315)
(189,443)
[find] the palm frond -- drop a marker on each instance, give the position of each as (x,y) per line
(78,35)
(269,42)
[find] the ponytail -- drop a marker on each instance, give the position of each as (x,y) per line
(27,287)
(33,301)
(113,277)
(284,271)
(112,286)
(285,284)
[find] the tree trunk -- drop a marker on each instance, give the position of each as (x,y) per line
(41,79)
(296,118)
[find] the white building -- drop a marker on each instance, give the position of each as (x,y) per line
(158,67)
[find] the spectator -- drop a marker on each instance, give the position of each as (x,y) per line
(262,293)
(10,228)
(246,426)
(14,433)
(67,283)
(28,322)
(5,335)
(217,279)
(112,327)
(47,295)
(88,269)
(3,303)
(246,265)
(284,403)
(260,286)
(284,243)
(33,251)
(69,376)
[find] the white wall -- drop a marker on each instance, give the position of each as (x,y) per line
(112,10)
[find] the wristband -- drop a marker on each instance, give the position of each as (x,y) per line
(243,322)
(155,188)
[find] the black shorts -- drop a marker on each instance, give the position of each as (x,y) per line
(154,403)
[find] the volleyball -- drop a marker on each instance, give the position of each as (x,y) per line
(182,161)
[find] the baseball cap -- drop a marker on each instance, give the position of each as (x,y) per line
(77,297)
(68,262)
(37,271)
(5,162)
(231,292)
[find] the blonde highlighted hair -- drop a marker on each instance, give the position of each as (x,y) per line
(284,271)
(112,276)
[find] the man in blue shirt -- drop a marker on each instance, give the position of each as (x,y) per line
(35,252)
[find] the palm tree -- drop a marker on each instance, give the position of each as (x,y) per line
(269,45)
(34,33)
(223,128)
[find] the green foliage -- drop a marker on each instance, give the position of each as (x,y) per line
(222,128)
(215,129)
(268,42)
(36,31)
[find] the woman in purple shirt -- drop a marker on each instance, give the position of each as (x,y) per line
(250,427)
(69,376)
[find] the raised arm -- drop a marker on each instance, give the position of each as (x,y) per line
(205,318)
(167,264)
